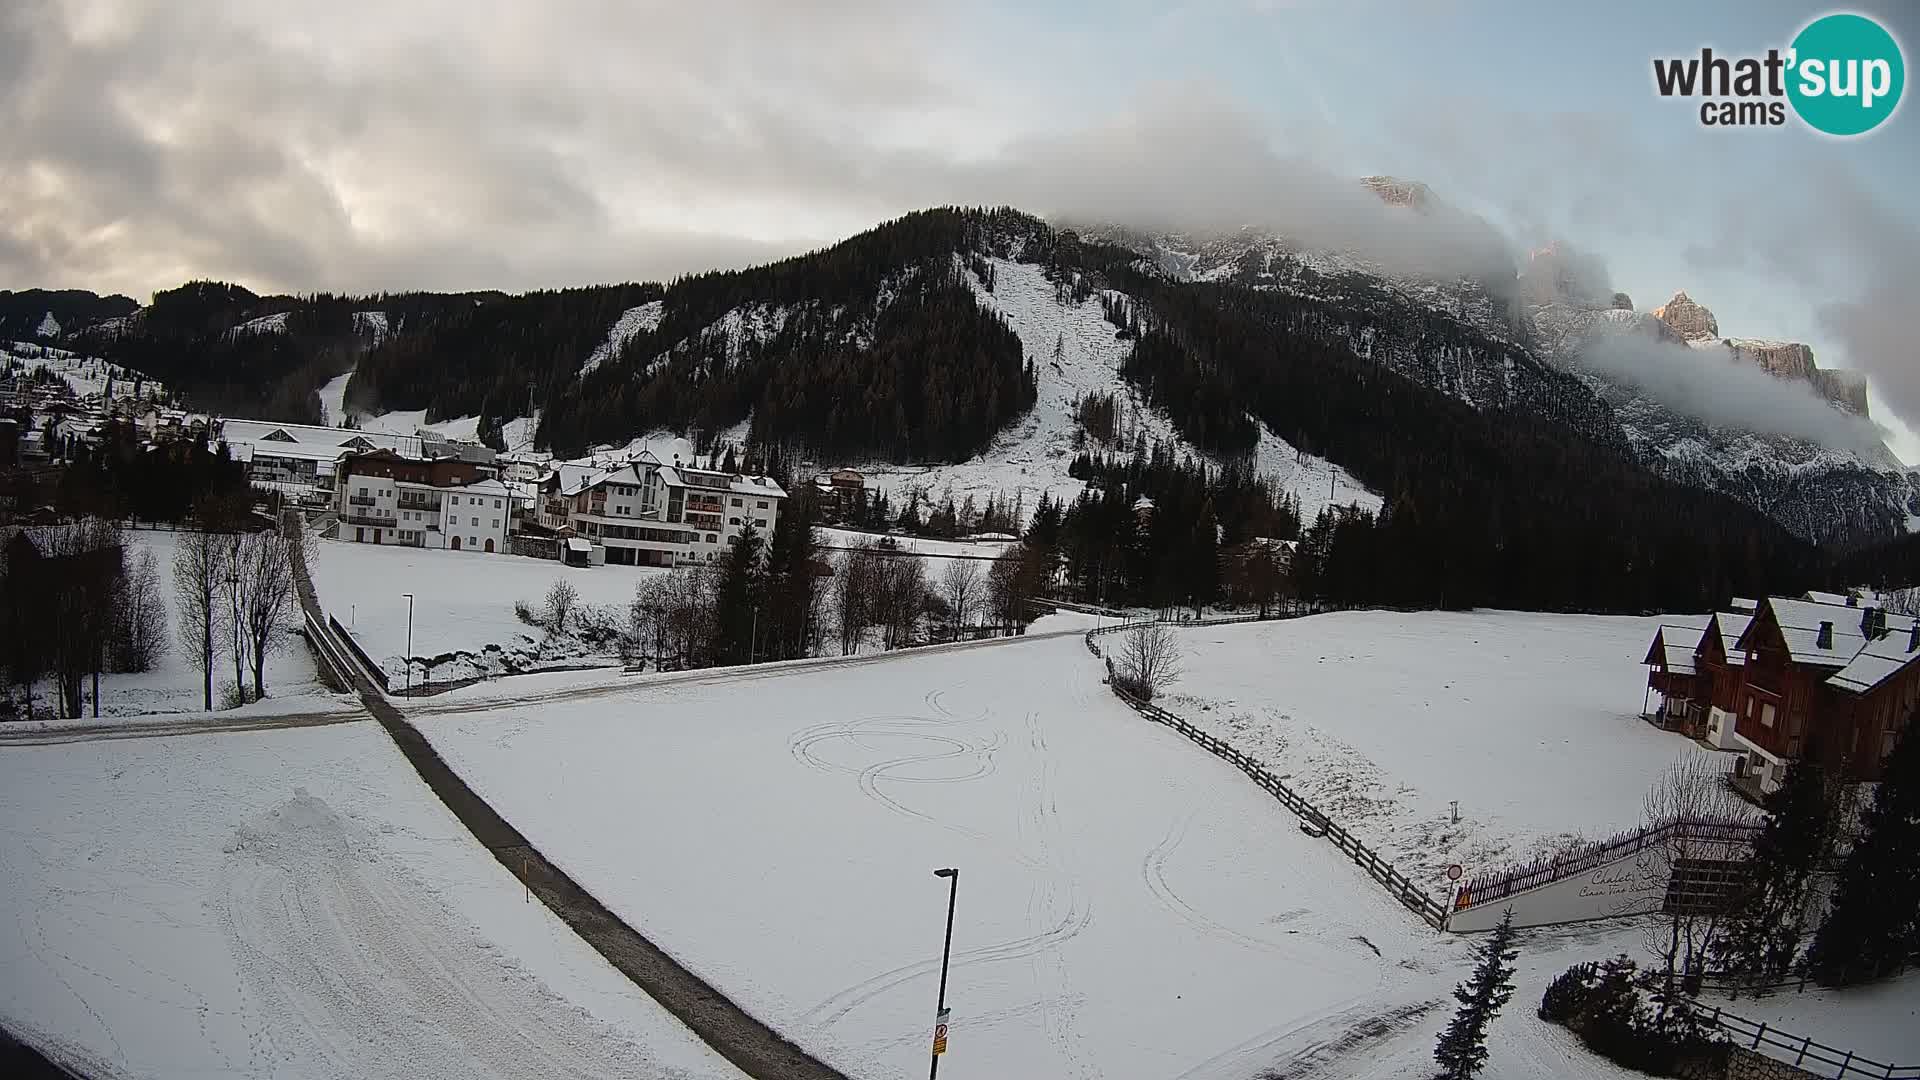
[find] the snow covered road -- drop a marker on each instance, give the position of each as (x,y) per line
(290,903)
(1129,907)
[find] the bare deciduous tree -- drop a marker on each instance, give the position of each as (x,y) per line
(141,634)
(853,587)
(199,576)
(960,584)
(263,585)
(1692,796)
(1149,660)
(82,574)
(561,599)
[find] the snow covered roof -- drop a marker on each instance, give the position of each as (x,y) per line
(1732,624)
(297,451)
(1741,603)
(1800,622)
(575,543)
(1674,645)
(1839,599)
(483,487)
(1878,661)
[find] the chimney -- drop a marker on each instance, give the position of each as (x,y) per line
(1825,640)
(1853,600)
(1873,622)
(1913,636)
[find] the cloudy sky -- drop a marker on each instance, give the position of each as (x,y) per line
(358,146)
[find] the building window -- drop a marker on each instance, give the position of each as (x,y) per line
(736,502)
(455,499)
(759,523)
(363,491)
(476,523)
(496,504)
(733,521)
(496,523)
(1766,716)
(712,539)
(761,505)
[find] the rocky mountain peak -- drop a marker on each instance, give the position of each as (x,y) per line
(1690,320)
(1397,192)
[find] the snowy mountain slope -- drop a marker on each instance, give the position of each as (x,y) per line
(635,320)
(1076,355)
(1526,336)
(87,376)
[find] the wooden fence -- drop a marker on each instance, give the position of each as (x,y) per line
(1492,887)
(1312,819)
(1802,1052)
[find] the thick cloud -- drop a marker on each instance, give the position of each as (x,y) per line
(1710,384)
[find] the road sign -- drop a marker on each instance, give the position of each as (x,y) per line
(1454,872)
(940,1033)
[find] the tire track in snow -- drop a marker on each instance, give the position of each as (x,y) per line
(358,965)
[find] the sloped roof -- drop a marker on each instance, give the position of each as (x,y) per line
(1877,662)
(1800,625)
(1732,624)
(1677,643)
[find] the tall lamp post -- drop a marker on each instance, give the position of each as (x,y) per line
(409,657)
(946,953)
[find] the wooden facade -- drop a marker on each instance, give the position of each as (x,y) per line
(1800,676)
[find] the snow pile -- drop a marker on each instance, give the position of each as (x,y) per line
(291,903)
(1383,719)
(49,326)
(635,320)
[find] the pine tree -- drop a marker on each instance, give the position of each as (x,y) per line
(1462,1050)
(737,600)
(792,590)
(1765,931)
(1872,928)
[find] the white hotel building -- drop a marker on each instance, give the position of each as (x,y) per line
(384,497)
(646,513)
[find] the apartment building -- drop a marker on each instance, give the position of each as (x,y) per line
(646,513)
(386,497)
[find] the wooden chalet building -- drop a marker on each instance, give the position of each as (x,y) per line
(1793,676)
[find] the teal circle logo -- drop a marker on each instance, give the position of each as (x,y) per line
(1846,75)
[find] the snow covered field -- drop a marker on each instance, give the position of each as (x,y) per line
(1381,719)
(291,904)
(1128,905)
(1075,354)
(463,600)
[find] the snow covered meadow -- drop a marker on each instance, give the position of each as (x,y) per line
(462,603)
(1383,719)
(290,903)
(1128,905)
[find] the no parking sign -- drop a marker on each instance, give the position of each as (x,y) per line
(940,1032)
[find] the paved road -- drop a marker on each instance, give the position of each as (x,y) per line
(752,1046)
(199,725)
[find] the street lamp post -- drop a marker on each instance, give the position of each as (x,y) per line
(409,657)
(946,953)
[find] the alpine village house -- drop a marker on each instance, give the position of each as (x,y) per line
(646,513)
(1782,678)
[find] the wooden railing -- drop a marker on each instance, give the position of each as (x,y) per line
(1802,1052)
(1313,820)
(1493,887)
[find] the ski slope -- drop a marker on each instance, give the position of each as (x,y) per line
(1129,907)
(1382,719)
(291,904)
(1075,355)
